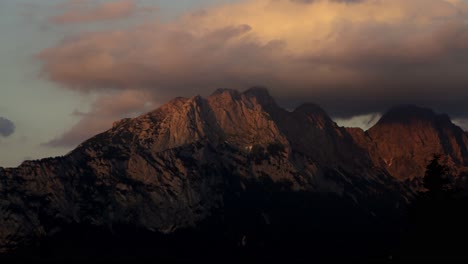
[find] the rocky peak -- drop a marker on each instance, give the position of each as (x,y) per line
(225,96)
(316,114)
(242,117)
(226,91)
(310,108)
(411,114)
(407,136)
(225,116)
(260,95)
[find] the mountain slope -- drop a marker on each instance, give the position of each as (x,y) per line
(185,162)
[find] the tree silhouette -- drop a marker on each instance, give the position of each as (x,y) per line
(437,179)
(437,218)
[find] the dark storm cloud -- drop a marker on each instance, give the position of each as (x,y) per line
(7,128)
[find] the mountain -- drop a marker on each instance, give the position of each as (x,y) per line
(232,164)
(406,138)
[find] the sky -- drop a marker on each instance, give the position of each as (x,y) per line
(70,68)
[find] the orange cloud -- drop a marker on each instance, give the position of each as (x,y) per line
(352,57)
(79,11)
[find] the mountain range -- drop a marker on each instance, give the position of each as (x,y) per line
(230,165)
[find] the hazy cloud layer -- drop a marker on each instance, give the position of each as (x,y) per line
(105,110)
(89,11)
(7,128)
(362,121)
(351,57)
(461,122)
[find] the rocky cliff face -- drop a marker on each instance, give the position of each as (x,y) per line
(407,137)
(174,167)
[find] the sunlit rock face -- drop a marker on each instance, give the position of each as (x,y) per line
(407,137)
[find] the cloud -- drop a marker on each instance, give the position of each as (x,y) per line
(105,110)
(338,1)
(7,128)
(79,11)
(351,58)
(362,121)
(461,122)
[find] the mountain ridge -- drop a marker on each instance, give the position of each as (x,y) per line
(173,167)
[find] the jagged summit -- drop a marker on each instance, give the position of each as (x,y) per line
(232,92)
(407,136)
(407,114)
(261,94)
(173,167)
(311,109)
(258,91)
